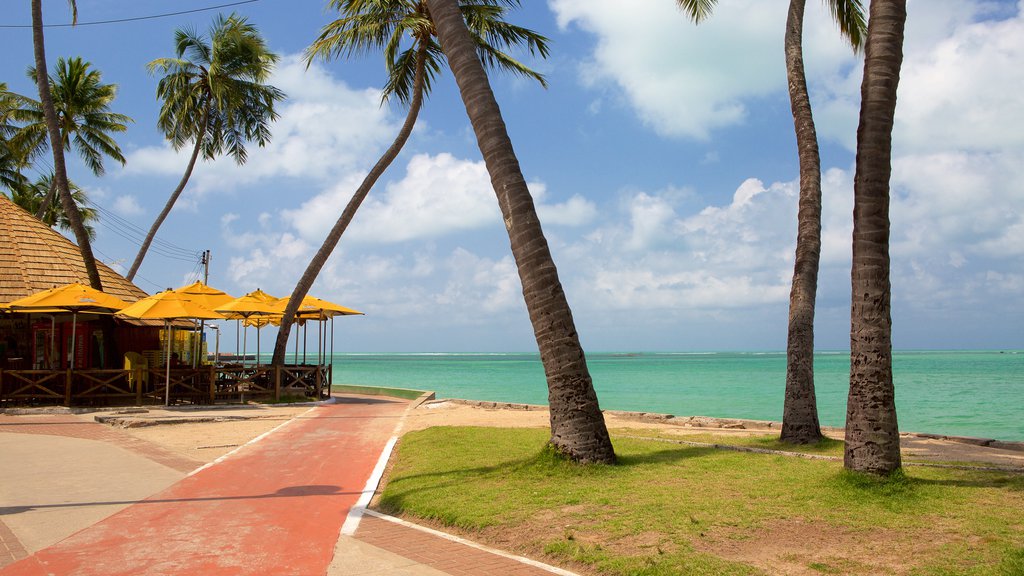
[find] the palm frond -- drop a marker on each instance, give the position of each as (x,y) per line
(697,10)
(849,16)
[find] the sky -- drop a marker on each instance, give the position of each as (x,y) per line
(661,157)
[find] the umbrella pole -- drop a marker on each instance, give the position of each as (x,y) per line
(53,344)
(329,383)
(245,344)
(237,326)
(199,344)
(258,345)
(74,325)
(297,328)
(167,364)
(305,336)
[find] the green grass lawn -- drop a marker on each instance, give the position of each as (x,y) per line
(674,509)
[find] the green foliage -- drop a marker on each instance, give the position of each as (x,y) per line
(654,512)
(82,103)
(399,29)
(377,391)
(214,90)
(31,197)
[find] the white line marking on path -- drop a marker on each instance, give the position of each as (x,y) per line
(253,441)
(471,544)
(356,512)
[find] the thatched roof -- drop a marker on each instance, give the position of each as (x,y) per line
(33,257)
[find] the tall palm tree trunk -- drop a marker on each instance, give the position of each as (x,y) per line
(44,205)
(170,201)
(800,410)
(872,433)
(320,259)
(56,144)
(577,424)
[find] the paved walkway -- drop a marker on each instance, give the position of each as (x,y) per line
(275,506)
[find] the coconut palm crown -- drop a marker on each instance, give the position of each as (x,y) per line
(215,96)
(370,25)
(214,90)
(82,103)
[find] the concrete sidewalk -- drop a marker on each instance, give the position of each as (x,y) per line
(275,506)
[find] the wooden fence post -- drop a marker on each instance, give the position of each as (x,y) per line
(319,379)
(277,382)
(67,388)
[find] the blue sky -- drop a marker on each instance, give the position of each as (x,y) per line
(661,157)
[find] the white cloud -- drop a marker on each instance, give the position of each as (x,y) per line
(686,80)
(477,285)
(126,205)
(437,195)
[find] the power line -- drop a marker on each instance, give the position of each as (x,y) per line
(135,19)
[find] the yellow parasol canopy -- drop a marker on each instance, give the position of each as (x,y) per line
(314,308)
(205,295)
(169,305)
(255,303)
(261,321)
(71,298)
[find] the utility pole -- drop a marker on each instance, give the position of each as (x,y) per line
(206,266)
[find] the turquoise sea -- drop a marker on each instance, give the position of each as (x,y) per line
(969,393)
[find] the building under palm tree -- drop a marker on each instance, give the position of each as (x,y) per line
(34,257)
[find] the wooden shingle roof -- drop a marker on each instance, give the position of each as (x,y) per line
(33,257)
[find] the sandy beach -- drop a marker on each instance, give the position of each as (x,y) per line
(205,435)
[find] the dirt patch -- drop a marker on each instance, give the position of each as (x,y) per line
(204,435)
(797,547)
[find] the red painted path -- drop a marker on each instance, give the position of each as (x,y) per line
(273,507)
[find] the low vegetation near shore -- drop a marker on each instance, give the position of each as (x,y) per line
(669,509)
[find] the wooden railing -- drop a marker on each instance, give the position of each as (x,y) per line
(204,385)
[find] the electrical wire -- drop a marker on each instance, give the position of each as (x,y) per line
(135,19)
(136,235)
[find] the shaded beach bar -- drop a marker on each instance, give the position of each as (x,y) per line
(84,358)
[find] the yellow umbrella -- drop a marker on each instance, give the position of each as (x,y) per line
(72,298)
(313,308)
(261,321)
(168,305)
(255,303)
(207,296)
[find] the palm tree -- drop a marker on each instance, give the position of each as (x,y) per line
(56,145)
(872,433)
(368,25)
(82,103)
(32,196)
(800,410)
(578,429)
(11,159)
(215,96)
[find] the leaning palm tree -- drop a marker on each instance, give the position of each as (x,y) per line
(32,196)
(56,145)
(800,423)
(578,429)
(872,433)
(82,103)
(215,96)
(368,25)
